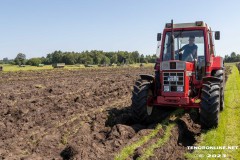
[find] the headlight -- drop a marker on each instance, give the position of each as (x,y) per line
(165,66)
(180,65)
(166,89)
(180,89)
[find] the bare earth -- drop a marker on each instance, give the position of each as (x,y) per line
(79,114)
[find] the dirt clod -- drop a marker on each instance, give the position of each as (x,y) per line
(68,153)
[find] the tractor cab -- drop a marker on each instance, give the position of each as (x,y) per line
(188,42)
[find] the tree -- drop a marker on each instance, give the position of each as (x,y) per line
(46,60)
(232,58)
(34,61)
(88,60)
(105,60)
(142,58)
(57,57)
(69,59)
(5,60)
(97,56)
(114,58)
(135,56)
(233,55)
(20,59)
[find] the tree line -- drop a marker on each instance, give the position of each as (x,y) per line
(94,57)
(233,57)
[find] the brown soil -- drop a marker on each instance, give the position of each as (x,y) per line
(78,114)
(65,113)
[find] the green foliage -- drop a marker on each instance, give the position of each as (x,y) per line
(69,58)
(34,61)
(97,57)
(57,57)
(20,59)
(114,59)
(93,57)
(105,60)
(232,58)
(5,60)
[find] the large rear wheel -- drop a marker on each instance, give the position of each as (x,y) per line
(220,74)
(210,105)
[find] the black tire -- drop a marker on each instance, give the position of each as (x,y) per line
(139,103)
(210,105)
(220,74)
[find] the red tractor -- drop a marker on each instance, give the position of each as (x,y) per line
(188,74)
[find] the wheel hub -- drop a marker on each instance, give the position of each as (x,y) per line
(149,107)
(149,110)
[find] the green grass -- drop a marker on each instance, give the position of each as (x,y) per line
(144,64)
(129,150)
(150,150)
(228,131)
(14,68)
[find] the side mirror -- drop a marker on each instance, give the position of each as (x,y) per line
(159,36)
(217,35)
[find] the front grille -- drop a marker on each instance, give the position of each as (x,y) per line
(173,80)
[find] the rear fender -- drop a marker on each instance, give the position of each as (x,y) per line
(212,79)
(151,79)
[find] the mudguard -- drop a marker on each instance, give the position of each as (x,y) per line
(148,77)
(212,79)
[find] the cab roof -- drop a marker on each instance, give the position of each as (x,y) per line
(187,25)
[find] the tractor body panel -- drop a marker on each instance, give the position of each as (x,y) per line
(179,86)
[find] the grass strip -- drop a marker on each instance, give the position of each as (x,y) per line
(150,150)
(129,150)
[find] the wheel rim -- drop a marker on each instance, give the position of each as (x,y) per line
(149,108)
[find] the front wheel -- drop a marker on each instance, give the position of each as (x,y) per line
(141,112)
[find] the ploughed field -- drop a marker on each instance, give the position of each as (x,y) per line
(85,114)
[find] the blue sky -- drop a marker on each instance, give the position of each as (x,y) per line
(39,27)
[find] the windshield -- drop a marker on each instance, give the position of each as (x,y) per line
(188,43)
